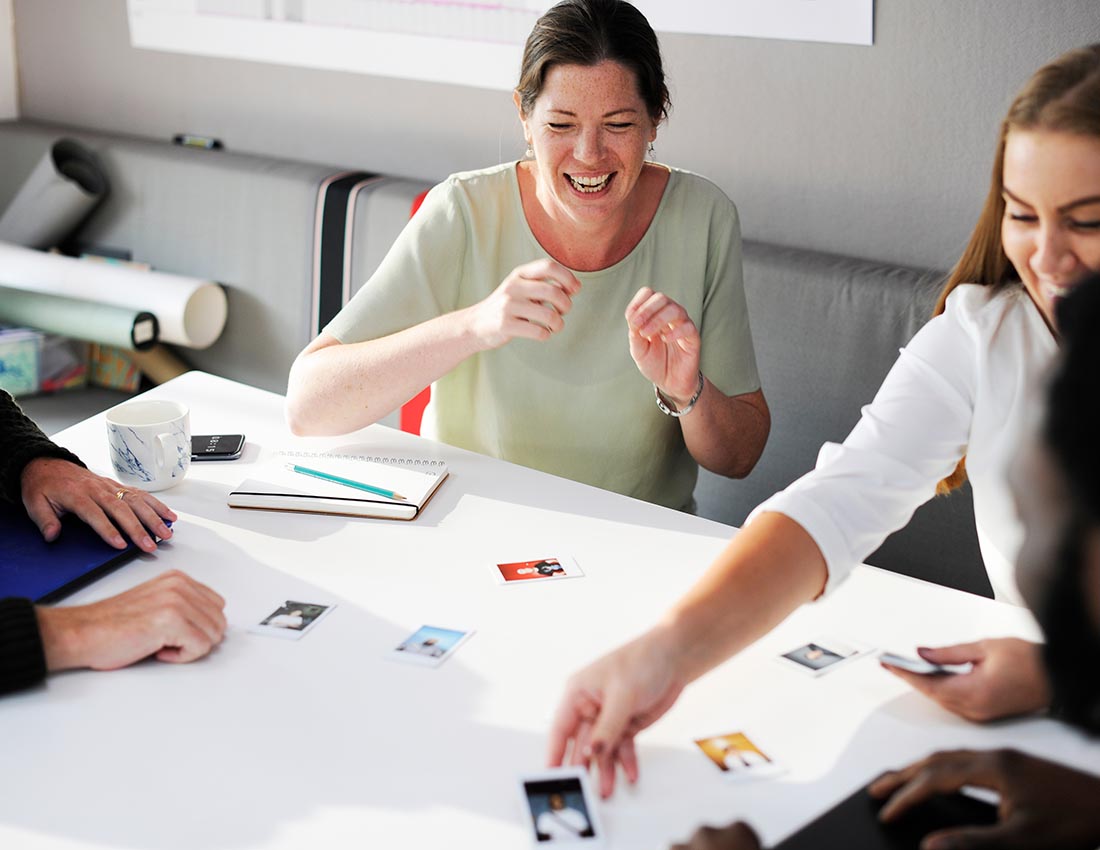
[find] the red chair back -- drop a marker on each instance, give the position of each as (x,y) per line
(412,411)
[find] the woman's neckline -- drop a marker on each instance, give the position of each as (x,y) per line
(657,213)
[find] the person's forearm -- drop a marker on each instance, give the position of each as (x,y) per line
(60,632)
(771,567)
(340,388)
(727,434)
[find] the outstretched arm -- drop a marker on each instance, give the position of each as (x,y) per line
(770,568)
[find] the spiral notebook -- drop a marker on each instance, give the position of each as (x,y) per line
(278,488)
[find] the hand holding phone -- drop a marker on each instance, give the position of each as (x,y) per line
(216,446)
(920,666)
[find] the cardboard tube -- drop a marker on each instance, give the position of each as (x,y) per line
(72,317)
(159,364)
(59,193)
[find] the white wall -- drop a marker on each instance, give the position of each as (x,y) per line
(9,86)
(882,152)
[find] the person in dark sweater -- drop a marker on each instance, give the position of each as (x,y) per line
(173,616)
(50,481)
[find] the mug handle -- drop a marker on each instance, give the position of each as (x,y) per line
(165,443)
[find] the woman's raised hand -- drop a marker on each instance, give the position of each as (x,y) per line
(664,343)
(531,303)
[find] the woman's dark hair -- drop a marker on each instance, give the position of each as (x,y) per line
(587,32)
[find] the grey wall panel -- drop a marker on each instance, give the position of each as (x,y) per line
(244,221)
(879,152)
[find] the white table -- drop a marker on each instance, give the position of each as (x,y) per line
(323,742)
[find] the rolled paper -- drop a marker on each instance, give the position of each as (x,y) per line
(190,312)
(79,319)
(62,189)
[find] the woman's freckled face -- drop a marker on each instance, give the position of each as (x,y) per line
(589,130)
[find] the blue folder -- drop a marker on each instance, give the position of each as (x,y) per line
(46,572)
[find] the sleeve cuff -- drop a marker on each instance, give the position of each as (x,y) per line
(22,655)
(817,523)
(24,454)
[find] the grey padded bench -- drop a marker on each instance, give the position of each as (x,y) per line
(245,221)
(827,329)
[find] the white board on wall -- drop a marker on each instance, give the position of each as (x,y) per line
(838,21)
(450,41)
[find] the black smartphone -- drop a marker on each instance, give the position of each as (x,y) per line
(922,667)
(216,446)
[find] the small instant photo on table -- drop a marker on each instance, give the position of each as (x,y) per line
(559,810)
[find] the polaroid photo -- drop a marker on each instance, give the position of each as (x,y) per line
(823,656)
(430,646)
(558,809)
(540,569)
(291,620)
(738,758)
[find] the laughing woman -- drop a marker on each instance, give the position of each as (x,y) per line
(506,289)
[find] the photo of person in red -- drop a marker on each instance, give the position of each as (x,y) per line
(526,570)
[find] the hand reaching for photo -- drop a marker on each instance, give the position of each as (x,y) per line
(609,702)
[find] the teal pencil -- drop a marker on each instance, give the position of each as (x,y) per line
(347,482)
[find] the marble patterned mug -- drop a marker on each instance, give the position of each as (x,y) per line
(150,443)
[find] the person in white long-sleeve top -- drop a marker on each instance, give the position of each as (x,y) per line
(959,400)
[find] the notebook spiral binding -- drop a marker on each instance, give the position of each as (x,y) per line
(388,459)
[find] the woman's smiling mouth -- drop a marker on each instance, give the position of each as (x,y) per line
(590,185)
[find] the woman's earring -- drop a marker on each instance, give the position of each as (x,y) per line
(530,152)
(649,153)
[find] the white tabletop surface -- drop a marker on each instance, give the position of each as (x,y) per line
(324,742)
